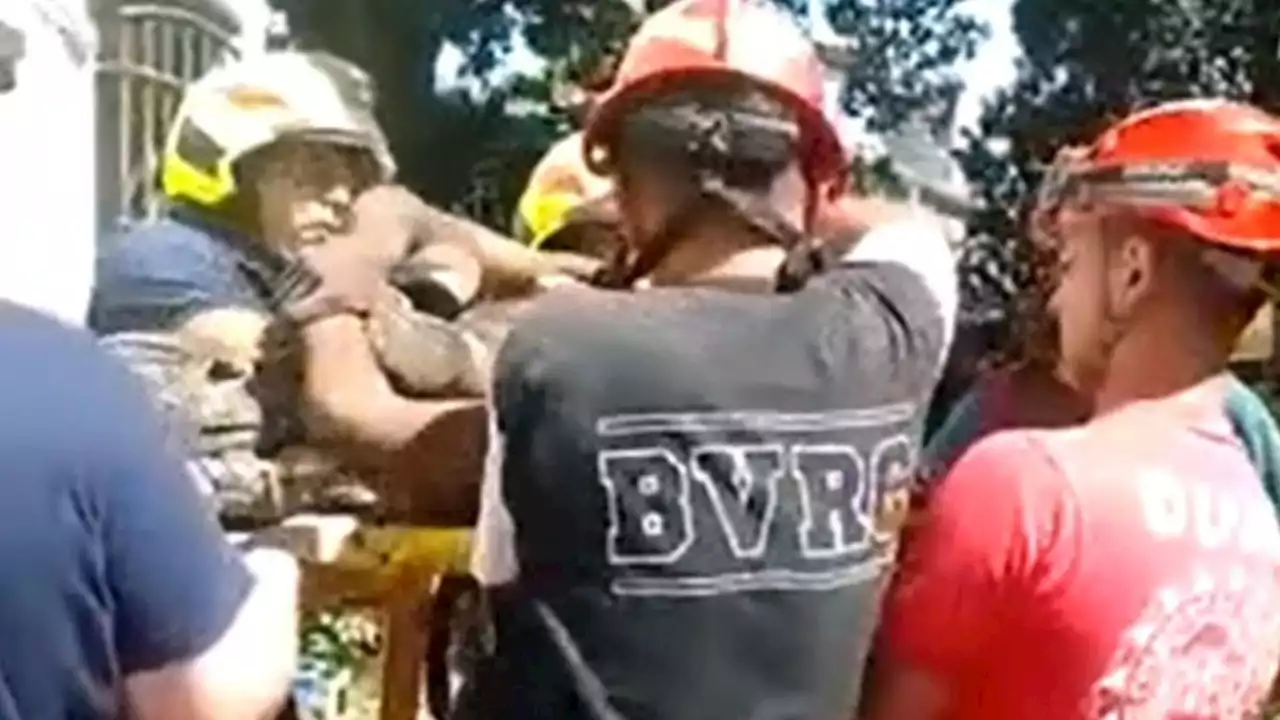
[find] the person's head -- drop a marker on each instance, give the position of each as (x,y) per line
(714,132)
(1164,229)
(277,145)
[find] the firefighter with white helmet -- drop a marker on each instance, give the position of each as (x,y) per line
(265,155)
(270,157)
(247,107)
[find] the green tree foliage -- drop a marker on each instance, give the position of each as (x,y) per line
(907,54)
(1086,63)
(472,149)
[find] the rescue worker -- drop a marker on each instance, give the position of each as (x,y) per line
(267,157)
(1127,567)
(1025,388)
(123,598)
(690,497)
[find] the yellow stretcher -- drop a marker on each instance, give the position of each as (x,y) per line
(396,569)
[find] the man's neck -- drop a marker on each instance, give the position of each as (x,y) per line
(720,259)
(1149,368)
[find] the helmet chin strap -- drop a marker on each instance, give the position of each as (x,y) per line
(804,256)
(629,264)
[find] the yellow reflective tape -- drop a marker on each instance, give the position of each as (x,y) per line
(545,213)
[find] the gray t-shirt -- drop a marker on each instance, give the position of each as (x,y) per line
(681,515)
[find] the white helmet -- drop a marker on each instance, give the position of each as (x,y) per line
(252,103)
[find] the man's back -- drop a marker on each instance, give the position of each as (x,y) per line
(1178,571)
(1130,567)
(697,479)
(111,564)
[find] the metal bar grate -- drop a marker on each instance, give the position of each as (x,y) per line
(152,51)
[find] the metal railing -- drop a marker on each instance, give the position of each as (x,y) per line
(149,53)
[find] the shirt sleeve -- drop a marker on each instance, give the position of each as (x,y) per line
(494,561)
(977,542)
(918,245)
(175,581)
(493,558)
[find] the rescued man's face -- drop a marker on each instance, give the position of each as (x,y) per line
(305,192)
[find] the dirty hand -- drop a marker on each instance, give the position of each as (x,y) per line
(332,278)
(349,271)
(383,228)
(520,271)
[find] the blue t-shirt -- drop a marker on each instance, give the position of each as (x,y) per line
(111,563)
(155,277)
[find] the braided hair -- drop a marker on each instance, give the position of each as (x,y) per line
(725,145)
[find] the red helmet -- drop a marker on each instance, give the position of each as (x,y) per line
(746,39)
(1210,167)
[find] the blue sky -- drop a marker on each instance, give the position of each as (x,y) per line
(991,69)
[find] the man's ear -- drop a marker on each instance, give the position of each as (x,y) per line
(1132,273)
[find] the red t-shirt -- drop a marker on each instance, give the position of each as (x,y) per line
(1129,568)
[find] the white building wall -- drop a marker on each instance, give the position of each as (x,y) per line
(47,185)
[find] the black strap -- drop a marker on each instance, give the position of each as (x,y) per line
(805,256)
